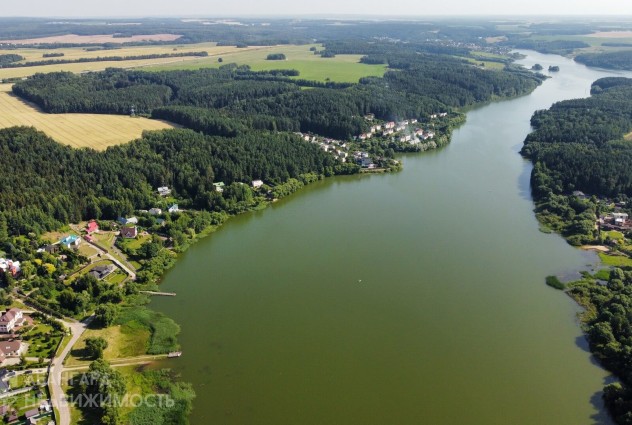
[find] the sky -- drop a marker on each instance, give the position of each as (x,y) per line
(236,8)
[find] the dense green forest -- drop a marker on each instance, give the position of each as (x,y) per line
(46,185)
(419,85)
(578,145)
(609,60)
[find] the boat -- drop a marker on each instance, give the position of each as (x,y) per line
(174,354)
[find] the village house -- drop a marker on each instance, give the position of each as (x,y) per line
(10,319)
(10,266)
(125,221)
(390,124)
(219,186)
(52,249)
(11,348)
(92,227)
(174,209)
(101,272)
(129,232)
(70,241)
(31,413)
(369,117)
(155,211)
(257,184)
(164,191)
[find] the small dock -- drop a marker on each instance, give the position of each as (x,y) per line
(163,294)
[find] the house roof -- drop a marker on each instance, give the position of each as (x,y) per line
(129,231)
(69,240)
(31,413)
(92,226)
(10,346)
(4,410)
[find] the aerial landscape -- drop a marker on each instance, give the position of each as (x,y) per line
(316,213)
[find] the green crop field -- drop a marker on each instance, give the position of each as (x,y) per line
(97,131)
(342,68)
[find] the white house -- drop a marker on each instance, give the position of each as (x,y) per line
(10,319)
(155,211)
(257,184)
(174,208)
(164,191)
(219,186)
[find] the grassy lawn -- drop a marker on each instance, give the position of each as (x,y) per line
(488,64)
(50,236)
(105,239)
(123,341)
(614,235)
(116,277)
(22,381)
(87,250)
(28,400)
(42,342)
(342,68)
(603,274)
(97,131)
(136,243)
(615,261)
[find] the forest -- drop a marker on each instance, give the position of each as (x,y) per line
(419,85)
(578,145)
(47,185)
(609,60)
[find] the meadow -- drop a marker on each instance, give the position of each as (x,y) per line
(96,131)
(342,68)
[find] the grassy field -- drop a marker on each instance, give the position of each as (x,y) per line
(97,131)
(615,261)
(342,68)
(41,341)
(123,341)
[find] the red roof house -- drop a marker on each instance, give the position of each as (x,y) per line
(92,227)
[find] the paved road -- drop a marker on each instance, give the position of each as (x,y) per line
(17,392)
(58,398)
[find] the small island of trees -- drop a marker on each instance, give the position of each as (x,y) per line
(554,68)
(276,57)
(537,67)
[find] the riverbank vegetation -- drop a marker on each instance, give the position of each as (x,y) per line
(578,148)
(609,60)
(607,323)
(582,184)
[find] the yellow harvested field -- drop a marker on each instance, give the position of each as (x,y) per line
(93,39)
(96,131)
(31,55)
(611,34)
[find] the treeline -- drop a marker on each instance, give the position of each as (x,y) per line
(52,55)
(46,185)
(9,59)
(101,59)
(610,60)
(578,145)
(276,57)
(558,47)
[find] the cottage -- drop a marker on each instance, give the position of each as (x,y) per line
(620,218)
(13,417)
(174,208)
(11,348)
(390,124)
(219,187)
(4,410)
(101,272)
(129,232)
(164,191)
(155,211)
(579,194)
(52,249)
(92,227)
(31,413)
(10,319)
(10,266)
(125,221)
(369,117)
(257,184)
(70,242)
